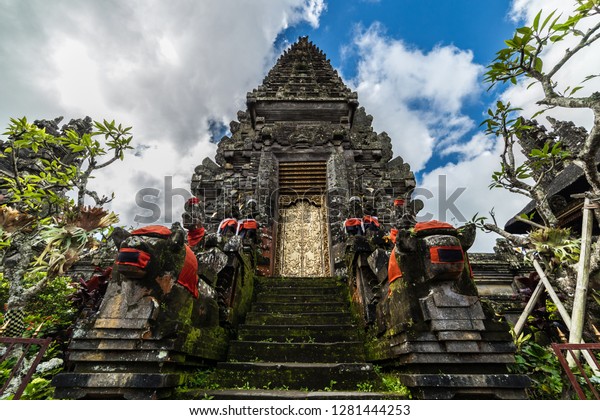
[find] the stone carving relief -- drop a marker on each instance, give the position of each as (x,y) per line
(302,239)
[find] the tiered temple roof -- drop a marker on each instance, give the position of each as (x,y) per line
(303,72)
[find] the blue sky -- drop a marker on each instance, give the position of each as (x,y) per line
(479,26)
(179,70)
(476,26)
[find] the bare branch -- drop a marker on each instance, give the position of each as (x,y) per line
(515,239)
(530,222)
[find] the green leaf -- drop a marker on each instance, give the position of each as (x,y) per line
(525,30)
(575,89)
(536,20)
(548,19)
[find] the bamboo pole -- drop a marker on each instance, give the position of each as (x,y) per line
(561,308)
(563,313)
(583,272)
(535,296)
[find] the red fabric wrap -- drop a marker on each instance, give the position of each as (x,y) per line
(188,277)
(152,230)
(394,271)
(398,202)
(371,219)
(433,224)
(446,254)
(249,224)
(352,222)
(226,223)
(393,234)
(195,236)
(193,200)
(133,257)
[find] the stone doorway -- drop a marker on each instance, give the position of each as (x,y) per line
(302,232)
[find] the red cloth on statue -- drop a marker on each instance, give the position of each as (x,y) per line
(152,230)
(246,224)
(394,271)
(433,224)
(195,236)
(371,220)
(188,277)
(225,223)
(133,257)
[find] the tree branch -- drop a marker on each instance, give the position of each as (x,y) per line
(515,239)
(586,40)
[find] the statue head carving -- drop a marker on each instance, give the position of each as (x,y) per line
(434,251)
(155,281)
(159,257)
(429,261)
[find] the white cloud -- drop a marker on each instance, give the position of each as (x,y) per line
(415,96)
(472,176)
(584,63)
(166,68)
(527,9)
(479,144)
(312,11)
(480,159)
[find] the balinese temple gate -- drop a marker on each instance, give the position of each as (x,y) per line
(311,269)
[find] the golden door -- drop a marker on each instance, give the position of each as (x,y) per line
(302,244)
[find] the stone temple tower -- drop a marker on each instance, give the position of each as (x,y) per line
(298,153)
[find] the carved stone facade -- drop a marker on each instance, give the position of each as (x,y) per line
(301,115)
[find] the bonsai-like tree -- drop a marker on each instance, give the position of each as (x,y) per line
(45,225)
(549,152)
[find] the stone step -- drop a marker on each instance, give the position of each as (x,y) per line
(302,307)
(270,297)
(267,394)
(124,385)
(304,290)
(117,333)
(293,333)
(248,351)
(143,356)
(308,376)
(264,282)
(120,344)
(315,318)
(111,380)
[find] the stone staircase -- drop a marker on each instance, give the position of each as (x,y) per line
(300,340)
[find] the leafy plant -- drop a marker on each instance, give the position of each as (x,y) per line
(542,367)
(42,228)
(558,243)
(520,340)
(330,387)
(365,387)
(596,296)
(39,388)
(392,383)
(201,379)
(90,293)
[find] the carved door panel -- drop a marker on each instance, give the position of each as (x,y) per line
(302,245)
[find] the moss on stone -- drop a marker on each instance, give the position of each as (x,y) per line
(207,343)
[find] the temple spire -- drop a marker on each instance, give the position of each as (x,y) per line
(302,72)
